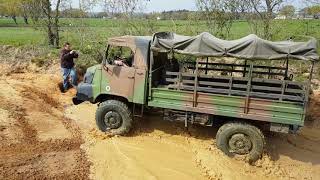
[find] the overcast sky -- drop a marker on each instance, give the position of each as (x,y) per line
(167,5)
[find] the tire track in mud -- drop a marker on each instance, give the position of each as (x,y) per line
(206,156)
(25,159)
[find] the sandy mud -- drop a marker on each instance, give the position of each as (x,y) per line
(42,135)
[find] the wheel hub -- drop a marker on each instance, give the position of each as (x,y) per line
(240,144)
(112,120)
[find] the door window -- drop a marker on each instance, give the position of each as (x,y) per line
(120,56)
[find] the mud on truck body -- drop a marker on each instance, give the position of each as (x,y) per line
(244,96)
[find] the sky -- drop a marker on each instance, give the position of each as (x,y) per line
(167,5)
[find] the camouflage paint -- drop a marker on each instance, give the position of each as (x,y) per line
(96,81)
(230,106)
(140,87)
(127,82)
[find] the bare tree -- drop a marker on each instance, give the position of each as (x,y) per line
(126,11)
(219,14)
(287,11)
(265,10)
(51,20)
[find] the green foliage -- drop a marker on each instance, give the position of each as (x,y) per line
(74,13)
(313,10)
(287,10)
(89,36)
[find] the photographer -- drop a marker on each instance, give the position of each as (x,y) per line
(67,66)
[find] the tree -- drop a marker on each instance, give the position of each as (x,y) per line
(287,11)
(219,15)
(265,10)
(74,13)
(313,10)
(10,8)
(46,13)
(52,21)
(125,10)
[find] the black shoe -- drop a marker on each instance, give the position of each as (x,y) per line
(62,89)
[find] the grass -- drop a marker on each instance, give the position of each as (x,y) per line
(18,36)
(89,36)
(13,34)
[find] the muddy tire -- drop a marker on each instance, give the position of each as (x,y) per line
(242,139)
(114,117)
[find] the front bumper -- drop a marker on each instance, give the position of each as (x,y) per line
(84,93)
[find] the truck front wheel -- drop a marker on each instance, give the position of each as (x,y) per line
(114,117)
(242,139)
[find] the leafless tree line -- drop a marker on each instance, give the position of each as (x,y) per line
(220,14)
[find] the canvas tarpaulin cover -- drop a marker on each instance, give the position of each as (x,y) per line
(249,47)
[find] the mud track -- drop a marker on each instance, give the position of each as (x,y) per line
(43,136)
(23,153)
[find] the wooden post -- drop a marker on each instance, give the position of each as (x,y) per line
(195,85)
(230,85)
(311,72)
(245,68)
(150,74)
(308,88)
(287,68)
(246,108)
(309,85)
(284,86)
(179,79)
(207,65)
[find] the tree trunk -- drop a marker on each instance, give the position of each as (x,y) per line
(25,19)
(50,36)
(56,25)
(47,10)
(14,19)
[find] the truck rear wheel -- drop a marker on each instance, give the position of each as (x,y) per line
(242,139)
(114,117)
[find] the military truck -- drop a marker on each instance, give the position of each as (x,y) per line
(244,96)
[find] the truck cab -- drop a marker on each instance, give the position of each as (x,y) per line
(122,74)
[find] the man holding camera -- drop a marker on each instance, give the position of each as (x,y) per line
(67,66)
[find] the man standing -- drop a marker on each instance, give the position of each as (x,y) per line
(67,66)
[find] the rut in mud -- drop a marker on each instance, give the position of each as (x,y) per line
(42,135)
(30,146)
(157,149)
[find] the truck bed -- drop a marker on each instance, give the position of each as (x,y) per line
(231,106)
(276,101)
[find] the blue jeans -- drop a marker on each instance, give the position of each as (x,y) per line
(69,73)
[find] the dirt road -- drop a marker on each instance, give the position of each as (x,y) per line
(42,135)
(36,140)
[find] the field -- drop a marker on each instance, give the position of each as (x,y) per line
(89,36)
(98,30)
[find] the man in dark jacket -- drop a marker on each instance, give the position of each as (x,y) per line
(67,66)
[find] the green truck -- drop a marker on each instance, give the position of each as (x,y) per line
(184,77)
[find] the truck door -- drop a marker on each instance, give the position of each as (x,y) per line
(118,74)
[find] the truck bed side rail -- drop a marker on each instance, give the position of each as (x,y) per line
(282,90)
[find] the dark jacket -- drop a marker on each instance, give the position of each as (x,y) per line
(67,58)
